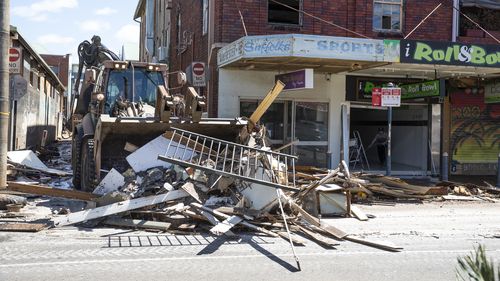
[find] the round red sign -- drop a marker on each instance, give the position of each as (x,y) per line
(13,55)
(198,68)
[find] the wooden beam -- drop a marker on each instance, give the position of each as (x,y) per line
(164,226)
(266,103)
(49,191)
(22,226)
(226,225)
(118,207)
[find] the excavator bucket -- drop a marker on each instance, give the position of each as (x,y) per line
(116,138)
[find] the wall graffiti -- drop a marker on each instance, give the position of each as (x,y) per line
(475,133)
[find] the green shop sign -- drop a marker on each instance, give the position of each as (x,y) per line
(449,53)
(420,90)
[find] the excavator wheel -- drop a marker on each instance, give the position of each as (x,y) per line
(76,147)
(88,175)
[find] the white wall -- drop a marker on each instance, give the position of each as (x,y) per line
(250,84)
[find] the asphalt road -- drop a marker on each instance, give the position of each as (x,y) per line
(433,235)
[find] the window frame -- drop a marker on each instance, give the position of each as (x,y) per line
(388,2)
(301,11)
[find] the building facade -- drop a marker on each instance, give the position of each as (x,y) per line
(351,47)
(59,64)
(36,97)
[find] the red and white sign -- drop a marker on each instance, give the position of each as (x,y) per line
(15,60)
(377,96)
(199,74)
(391,97)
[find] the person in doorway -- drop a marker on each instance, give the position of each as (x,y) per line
(380,140)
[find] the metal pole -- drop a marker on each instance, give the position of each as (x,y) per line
(4,88)
(389,132)
(444,167)
(498,171)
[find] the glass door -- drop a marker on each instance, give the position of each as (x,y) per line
(310,127)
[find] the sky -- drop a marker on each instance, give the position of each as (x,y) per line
(58,26)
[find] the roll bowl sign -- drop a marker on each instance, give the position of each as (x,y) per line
(15,60)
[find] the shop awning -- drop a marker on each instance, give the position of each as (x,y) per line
(487,4)
(297,51)
(429,71)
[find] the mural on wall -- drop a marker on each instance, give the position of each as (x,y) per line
(475,133)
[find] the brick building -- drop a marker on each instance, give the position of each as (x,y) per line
(350,46)
(60,66)
(36,97)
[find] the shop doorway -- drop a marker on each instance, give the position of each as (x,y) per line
(411,138)
(290,120)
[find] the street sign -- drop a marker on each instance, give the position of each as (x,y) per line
(391,97)
(377,96)
(14,60)
(199,75)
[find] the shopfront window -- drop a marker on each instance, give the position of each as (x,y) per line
(387,15)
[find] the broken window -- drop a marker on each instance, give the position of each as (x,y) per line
(485,17)
(387,15)
(284,12)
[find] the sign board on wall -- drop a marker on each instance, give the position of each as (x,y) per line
(391,97)
(450,53)
(377,96)
(420,90)
(297,80)
(15,60)
(309,46)
(199,74)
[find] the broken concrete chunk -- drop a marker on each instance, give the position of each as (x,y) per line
(167,186)
(111,197)
(7,199)
(111,182)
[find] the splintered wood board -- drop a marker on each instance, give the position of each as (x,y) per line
(22,226)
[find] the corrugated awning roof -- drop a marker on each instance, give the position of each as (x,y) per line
(487,4)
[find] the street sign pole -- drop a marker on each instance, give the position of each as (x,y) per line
(4,88)
(389,133)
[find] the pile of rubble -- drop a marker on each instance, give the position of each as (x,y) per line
(186,182)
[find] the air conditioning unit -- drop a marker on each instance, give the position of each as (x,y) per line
(163,54)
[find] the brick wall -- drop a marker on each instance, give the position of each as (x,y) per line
(61,61)
(355,15)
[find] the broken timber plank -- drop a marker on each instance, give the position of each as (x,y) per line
(249,225)
(164,226)
(266,103)
(190,189)
(22,227)
(226,225)
(379,245)
(318,238)
(337,233)
(49,191)
(213,220)
(358,213)
(118,207)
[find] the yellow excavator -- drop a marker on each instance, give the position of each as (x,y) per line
(121,103)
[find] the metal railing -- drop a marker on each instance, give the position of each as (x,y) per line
(230,159)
